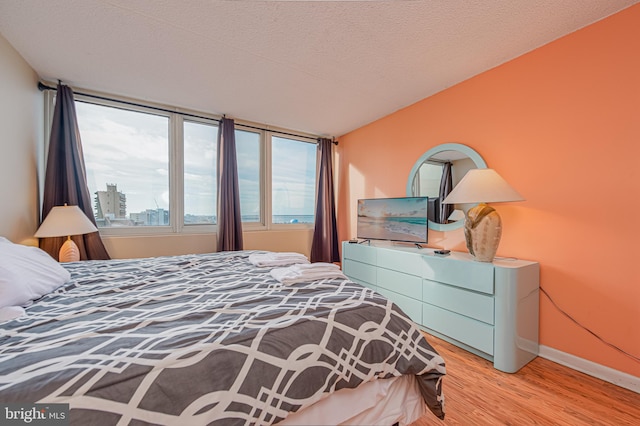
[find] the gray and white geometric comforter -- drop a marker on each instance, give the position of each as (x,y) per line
(204,339)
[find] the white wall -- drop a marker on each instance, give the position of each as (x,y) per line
(21,136)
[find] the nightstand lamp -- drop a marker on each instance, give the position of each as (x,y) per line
(482,225)
(65,221)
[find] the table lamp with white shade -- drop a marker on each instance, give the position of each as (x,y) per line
(482,225)
(65,221)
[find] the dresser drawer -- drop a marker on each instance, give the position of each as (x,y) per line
(400,260)
(488,308)
(463,329)
(364,254)
(468,303)
(359,272)
(477,276)
(405,284)
(411,307)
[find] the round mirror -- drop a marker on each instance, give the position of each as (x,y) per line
(436,173)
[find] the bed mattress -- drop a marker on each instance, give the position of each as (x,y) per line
(205,339)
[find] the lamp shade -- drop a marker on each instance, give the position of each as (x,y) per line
(64,221)
(482,186)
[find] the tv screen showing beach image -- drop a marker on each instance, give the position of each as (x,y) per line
(394,219)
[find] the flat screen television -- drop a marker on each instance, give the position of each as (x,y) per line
(393,219)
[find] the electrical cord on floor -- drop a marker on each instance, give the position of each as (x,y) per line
(611,345)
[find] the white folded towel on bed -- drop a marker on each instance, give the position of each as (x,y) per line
(277,258)
(307,273)
(11,312)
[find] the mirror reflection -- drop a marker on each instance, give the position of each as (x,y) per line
(435,174)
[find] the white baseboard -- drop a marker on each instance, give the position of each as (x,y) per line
(602,372)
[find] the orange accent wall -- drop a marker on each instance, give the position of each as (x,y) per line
(562,125)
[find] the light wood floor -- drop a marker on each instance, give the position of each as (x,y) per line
(541,393)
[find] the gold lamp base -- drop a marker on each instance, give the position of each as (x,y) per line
(482,231)
(69,251)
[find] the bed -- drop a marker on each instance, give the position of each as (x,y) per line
(213,339)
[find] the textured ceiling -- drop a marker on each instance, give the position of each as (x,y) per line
(324,67)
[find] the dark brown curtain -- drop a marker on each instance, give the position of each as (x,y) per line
(324,246)
(446,185)
(229,218)
(66,178)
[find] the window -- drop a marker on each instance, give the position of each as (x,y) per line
(200,180)
(249,157)
(152,170)
(126,156)
(293,181)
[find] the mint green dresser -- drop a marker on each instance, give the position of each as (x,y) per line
(490,309)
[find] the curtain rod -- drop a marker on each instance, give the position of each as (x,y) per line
(43,87)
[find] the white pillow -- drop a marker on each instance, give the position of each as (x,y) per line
(27,273)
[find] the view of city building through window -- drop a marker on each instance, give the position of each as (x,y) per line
(127,160)
(126,156)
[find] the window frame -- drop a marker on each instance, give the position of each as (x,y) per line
(181,227)
(269,161)
(261,224)
(176,118)
(149,229)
